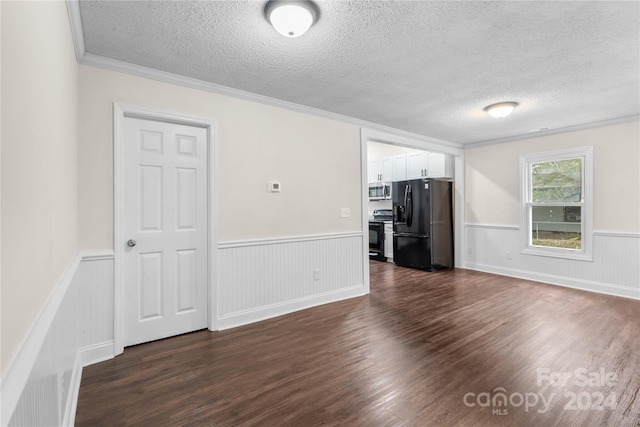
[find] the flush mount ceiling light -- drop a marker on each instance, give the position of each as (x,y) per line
(501,109)
(291,18)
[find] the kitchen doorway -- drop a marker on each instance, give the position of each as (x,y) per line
(387,158)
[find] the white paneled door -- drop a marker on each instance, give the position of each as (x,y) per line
(164,265)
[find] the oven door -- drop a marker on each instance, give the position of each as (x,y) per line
(376,241)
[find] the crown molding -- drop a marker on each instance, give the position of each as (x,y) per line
(86,58)
(575,128)
(165,77)
(73,9)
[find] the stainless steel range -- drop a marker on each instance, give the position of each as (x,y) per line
(376,234)
(383,215)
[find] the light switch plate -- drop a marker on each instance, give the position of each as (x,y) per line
(345,212)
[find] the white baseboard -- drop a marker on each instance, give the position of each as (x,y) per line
(613,269)
(275,310)
(96,353)
(585,285)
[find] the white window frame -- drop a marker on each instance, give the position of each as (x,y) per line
(586,204)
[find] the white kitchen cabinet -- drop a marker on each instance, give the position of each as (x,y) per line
(388,241)
(399,167)
(429,165)
(375,170)
(417,165)
(387,169)
(439,166)
(435,165)
(381,170)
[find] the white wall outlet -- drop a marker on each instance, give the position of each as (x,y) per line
(469,251)
(316,274)
(275,186)
(345,212)
(508,254)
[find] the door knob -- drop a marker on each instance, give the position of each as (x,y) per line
(131,243)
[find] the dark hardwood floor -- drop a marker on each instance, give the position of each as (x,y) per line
(423,349)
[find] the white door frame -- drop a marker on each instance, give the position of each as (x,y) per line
(120,112)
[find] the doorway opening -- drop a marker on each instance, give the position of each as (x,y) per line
(390,158)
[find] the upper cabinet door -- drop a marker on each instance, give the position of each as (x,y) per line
(439,165)
(381,170)
(399,169)
(417,165)
(435,165)
(375,170)
(387,169)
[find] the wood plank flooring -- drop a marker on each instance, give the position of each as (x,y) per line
(423,349)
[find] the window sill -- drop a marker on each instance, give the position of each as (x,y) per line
(571,254)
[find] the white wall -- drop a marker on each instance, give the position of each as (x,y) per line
(491,176)
(493,239)
(268,245)
(317,161)
(39,162)
(379,150)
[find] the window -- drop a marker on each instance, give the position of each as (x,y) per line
(556,197)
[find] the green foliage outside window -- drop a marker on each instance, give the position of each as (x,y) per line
(558,181)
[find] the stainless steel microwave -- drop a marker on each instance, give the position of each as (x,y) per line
(379,191)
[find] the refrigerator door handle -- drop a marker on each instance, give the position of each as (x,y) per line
(406,193)
(409,205)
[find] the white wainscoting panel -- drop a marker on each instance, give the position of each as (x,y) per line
(96,293)
(257,280)
(74,330)
(614,270)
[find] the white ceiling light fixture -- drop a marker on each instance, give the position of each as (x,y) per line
(501,109)
(291,18)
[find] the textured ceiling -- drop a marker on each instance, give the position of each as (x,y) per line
(427,67)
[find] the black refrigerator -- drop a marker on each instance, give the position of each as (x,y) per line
(423,223)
